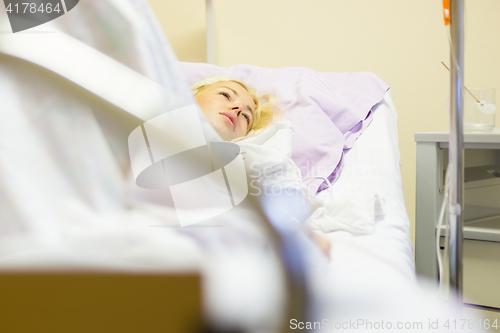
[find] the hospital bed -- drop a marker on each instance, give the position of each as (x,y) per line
(369,271)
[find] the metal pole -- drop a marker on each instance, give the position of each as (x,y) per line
(210,32)
(456,147)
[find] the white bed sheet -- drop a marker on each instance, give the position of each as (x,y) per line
(373,166)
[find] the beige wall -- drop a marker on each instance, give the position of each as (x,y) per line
(184,24)
(402,41)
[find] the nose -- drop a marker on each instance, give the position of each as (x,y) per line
(236,107)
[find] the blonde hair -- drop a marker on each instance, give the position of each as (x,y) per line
(266,112)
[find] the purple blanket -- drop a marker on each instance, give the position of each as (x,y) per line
(328,111)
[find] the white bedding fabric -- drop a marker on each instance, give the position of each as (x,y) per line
(372,167)
(268,156)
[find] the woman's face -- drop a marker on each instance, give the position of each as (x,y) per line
(228,107)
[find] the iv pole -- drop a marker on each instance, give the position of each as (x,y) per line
(456,148)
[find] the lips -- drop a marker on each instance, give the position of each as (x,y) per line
(231,118)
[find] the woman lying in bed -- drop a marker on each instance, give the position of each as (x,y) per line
(239,113)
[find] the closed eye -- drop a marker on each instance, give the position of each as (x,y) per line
(247,118)
(225,94)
